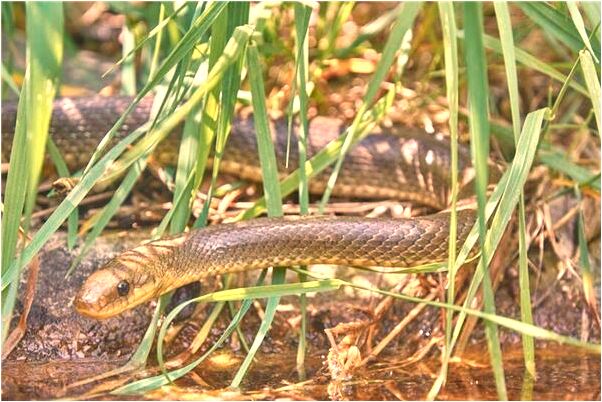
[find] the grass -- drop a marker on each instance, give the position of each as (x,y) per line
(476,70)
(225,47)
(41,81)
(505,28)
(450,45)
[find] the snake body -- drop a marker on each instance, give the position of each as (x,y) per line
(401,163)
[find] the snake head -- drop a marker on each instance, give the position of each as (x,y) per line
(119,285)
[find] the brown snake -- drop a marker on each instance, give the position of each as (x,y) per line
(402,163)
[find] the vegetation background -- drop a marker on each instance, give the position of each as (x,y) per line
(519,81)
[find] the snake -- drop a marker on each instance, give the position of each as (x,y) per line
(392,163)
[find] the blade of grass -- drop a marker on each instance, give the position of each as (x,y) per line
(7,78)
(302,16)
(593,84)
(334,28)
(325,157)
(14,197)
(44,61)
(223,112)
(404,22)
(528,60)
(450,46)
(506,38)
(161,20)
(199,128)
(553,157)
(8,29)
(476,69)
(128,69)
(557,159)
(45,56)
(63,171)
(271,189)
(504,197)
(580,26)
(555,23)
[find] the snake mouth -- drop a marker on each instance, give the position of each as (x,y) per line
(92,310)
(110,291)
(88,304)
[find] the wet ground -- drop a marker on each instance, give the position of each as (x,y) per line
(563,373)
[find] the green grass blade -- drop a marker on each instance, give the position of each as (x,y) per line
(557,159)
(222,111)
(267,157)
(199,127)
(553,157)
(476,69)
(555,23)
(450,46)
(528,60)
(44,24)
(161,20)
(334,28)
(128,68)
(14,197)
(302,16)
(63,171)
(505,28)
(593,84)
(209,116)
(324,158)
(404,22)
(45,56)
(504,197)
(580,26)
(271,188)
(8,79)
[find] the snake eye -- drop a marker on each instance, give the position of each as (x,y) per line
(123,288)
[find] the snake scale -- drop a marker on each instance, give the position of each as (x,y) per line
(398,163)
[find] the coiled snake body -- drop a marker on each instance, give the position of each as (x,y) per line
(402,164)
